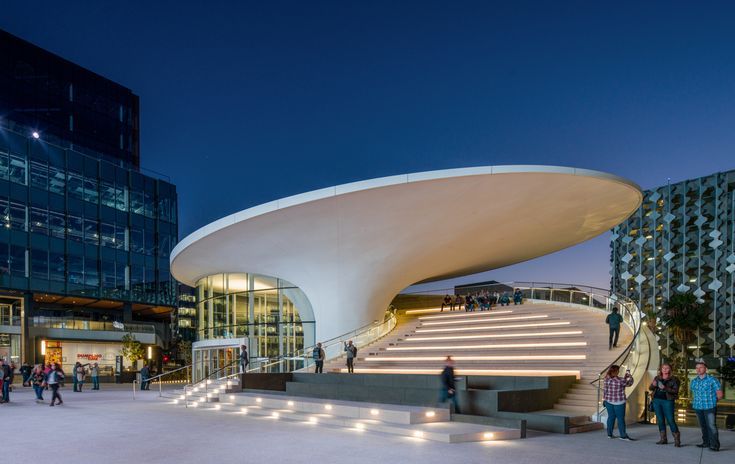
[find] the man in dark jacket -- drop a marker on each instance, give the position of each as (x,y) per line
(448,390)
(613,320)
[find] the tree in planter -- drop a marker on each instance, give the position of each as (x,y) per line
(683,317)
(132,349)
(183,349)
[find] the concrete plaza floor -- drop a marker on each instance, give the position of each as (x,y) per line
(109,426)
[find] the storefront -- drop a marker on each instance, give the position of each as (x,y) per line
(68,353)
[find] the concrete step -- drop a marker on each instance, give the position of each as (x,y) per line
(586,427)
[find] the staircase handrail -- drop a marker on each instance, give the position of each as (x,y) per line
(389,322)
(159,376)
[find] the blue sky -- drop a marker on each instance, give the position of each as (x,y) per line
(246,102)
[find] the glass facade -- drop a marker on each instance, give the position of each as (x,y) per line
(272,314)
(74,225)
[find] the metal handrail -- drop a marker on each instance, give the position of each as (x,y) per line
(160,384)
(305,352)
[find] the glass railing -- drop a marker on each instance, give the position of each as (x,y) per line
(270,328)
(333,348)
(82,324)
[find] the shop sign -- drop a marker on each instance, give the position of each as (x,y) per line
(4,339)
(89,356)
(118,325)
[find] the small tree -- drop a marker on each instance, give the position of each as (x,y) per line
(183,349)
(683,317)
(132,349)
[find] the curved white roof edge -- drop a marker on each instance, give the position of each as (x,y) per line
(362,185)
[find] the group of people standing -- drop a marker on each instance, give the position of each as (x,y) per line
(705,390)
(482,301)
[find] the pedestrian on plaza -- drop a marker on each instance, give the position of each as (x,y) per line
(613,320)
(318,355)
(351,351)
(448,389)
(7,376)
(53,380)
(614,400)
(244,359)
(505,299)
(37,379)
(79,374)
(145,374)
(706,392)
(517,297)
(665,388)
(446,302)
(74,376)
(94,371)
(25,371)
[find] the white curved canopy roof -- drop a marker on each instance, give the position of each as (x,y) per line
(352,247)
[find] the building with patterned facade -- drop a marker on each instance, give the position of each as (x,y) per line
(682,239)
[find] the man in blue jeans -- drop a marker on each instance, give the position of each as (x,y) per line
(7,375)
(706,391)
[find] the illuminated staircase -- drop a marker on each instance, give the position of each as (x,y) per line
(542,339)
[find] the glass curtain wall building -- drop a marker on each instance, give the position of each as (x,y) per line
(682,240)
(271,316)
(85,236)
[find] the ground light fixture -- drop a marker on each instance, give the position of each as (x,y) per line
(493,327)
(244,410)
(485,321)
(453,316)
(275,415)
(258,400)
(290,403)
(512,335)
(374,412)
(418,434)
(360,426)
(313,420)
(328,407)
(430,414)
(487,435)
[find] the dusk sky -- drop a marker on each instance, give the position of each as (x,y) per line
(247,102)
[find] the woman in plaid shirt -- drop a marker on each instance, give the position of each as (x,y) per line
(614,400)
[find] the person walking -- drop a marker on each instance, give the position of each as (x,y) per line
(244,359)
(53,380)
(448,388)
(318,355)
(74,376)
(665,388)
(79,373)
(94,371)
(706,392)
(613,320)
(351,351)
(7,379)
(37,379)
(614,400)
(145,374)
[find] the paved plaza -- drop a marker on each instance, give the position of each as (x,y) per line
(109,426)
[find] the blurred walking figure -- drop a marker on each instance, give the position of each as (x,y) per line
(448,389)
(79,373)
(7,373)
(53,380)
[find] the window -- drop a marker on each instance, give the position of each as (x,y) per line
(108,194)
(39,221)
(148,205)
(75,228)
(137,243)
(57,224)
(91,275)
(39,175)
(14,215)
(56,264)
(90,190)
(39,264)
(108,275)
(56,180)
(4,166)
(150,242)
(136,202)
(90,232)
(107,235)
(121,239)
(17,261)
(75,185)
(18,170)
(76,270)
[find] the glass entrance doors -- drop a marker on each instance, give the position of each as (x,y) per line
(217,362)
